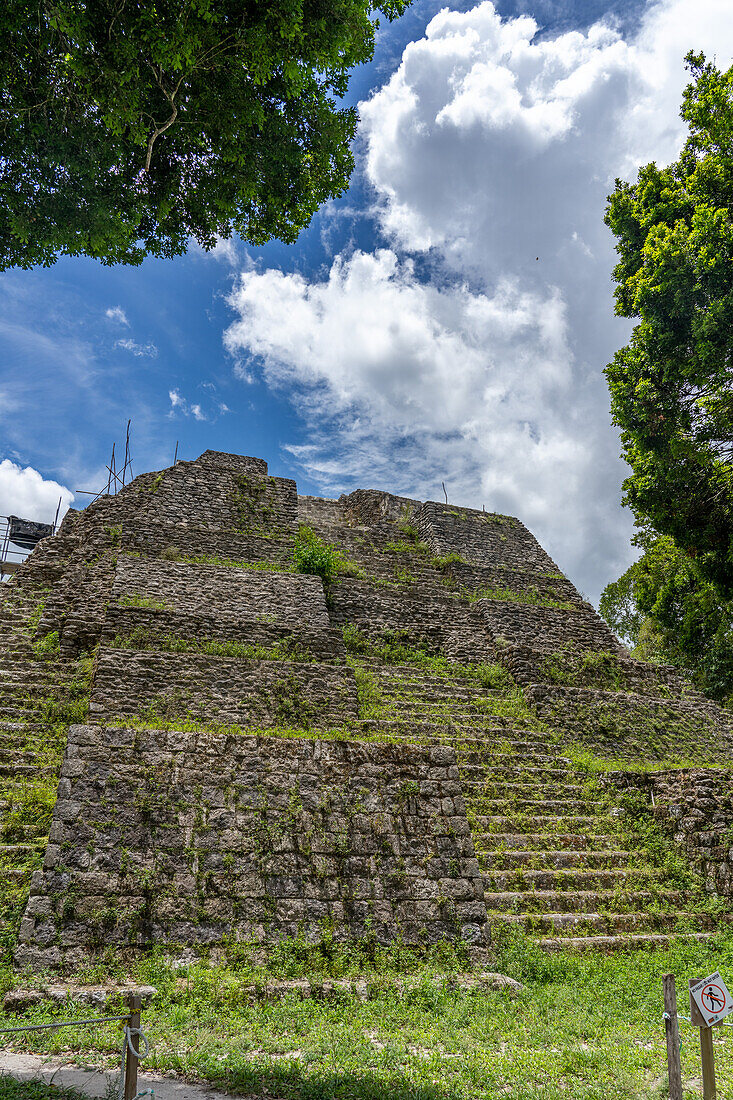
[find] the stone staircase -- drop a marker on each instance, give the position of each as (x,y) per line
(30,754)
(552,855)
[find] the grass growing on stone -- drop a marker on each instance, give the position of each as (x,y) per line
(585,1027)
(284,649)
(234,563)
(27,800)
(528,596)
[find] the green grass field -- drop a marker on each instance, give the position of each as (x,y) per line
(34,1090)
(588,1027)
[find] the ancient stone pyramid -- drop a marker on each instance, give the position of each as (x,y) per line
(201,744)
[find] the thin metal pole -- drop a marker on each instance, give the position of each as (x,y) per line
(132,1047)
(444,491)
(175,456)
(56,517)
(672,1029)
(127,453)
(707,1054)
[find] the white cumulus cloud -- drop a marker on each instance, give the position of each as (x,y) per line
(117,313)
(490,152)
(27,494)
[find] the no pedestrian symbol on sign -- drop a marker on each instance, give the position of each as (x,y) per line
(712,998)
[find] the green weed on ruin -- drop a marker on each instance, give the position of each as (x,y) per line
(530,595)
(284,649)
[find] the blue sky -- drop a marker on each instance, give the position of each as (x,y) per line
(447,319)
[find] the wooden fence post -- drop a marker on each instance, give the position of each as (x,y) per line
(707,1055)
(672,1029)
(132,1048)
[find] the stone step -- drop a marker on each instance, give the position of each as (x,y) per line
(28,680)
(572,842)
(15,710)
(426,711)
(13,744)
(28,832)
(535,807)
(573,923)
(621,942)
(575,823)
(18,754)
(16,876)
(513,772)
(29,677)
(507,859)
(508,790)
(483,752)
(580,901)
(407,676)
(19,851)
(13,771)
(563,879)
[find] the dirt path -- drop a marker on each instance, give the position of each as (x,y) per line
(95,1083)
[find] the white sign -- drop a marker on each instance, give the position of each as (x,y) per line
(712,998)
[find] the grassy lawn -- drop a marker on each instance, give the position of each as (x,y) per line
(34,1090)
(587,1027)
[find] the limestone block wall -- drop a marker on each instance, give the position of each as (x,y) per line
(222,497)
(482,538)
(696,806)
(286,599)
(594,668)
(642,726)
(525,582)
(547,627)
(319,509)
(154,602)
(223,690)
(241,464)
(443,624)
(220,506)
(370,506)
(170,837)
(192,541)
(150,628)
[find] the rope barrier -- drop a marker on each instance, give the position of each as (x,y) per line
(142,1037)
(687,1020)
(139,1053)
(142,1051)
(62,1023)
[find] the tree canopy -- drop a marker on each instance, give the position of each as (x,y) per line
(128,128)
(672,385)
(669,613)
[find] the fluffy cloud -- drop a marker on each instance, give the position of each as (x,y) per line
(491,152)
(25,493)
(373,338)
(117,314)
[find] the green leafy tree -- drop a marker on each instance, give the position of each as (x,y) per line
(130,127)
(672,385)
(668,612)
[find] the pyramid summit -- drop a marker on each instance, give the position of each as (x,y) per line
(233,713)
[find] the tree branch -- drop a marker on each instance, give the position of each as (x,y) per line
(170,96)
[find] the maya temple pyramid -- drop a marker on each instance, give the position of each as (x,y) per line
(206,737)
